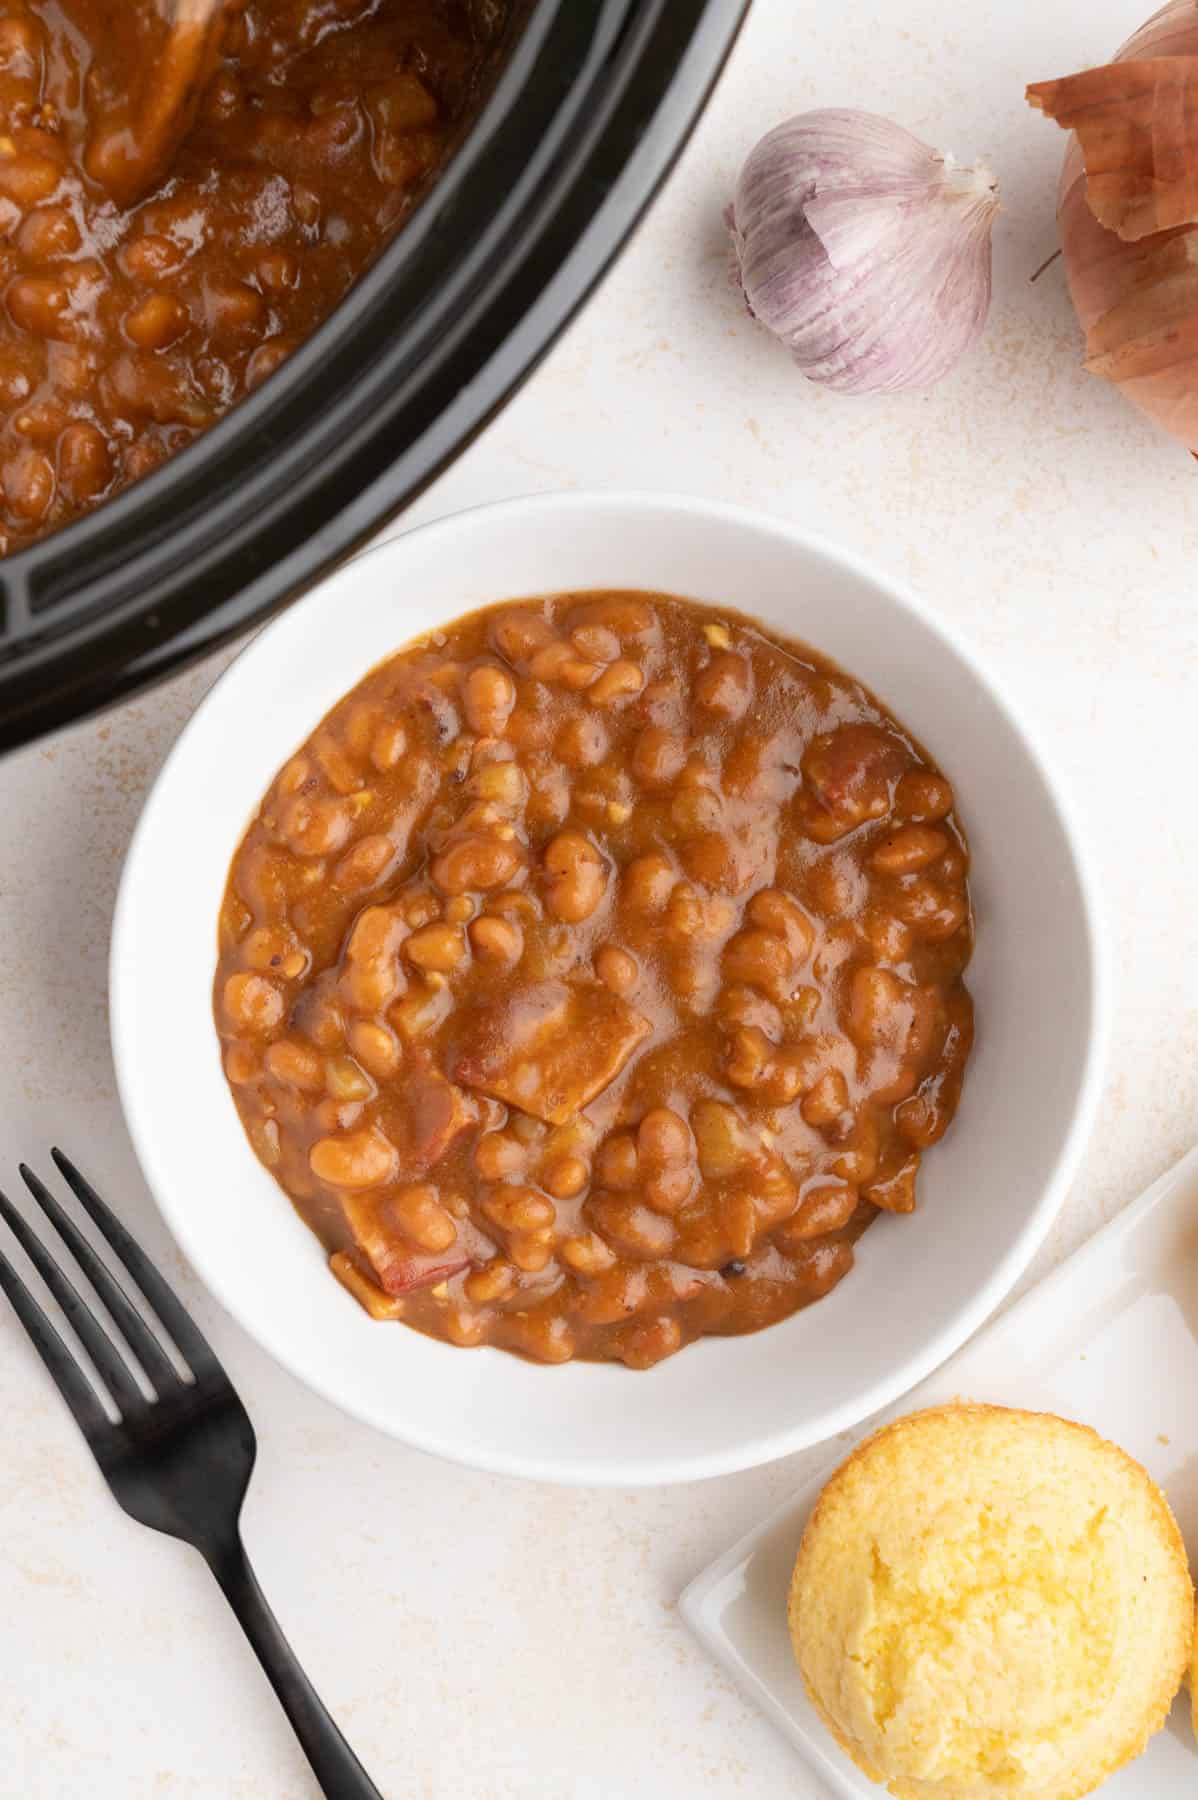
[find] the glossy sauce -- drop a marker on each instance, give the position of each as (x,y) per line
(127,330)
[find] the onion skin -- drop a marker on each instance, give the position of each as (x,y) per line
(1104,271)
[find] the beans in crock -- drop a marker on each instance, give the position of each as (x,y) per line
(124,332)
(592,977)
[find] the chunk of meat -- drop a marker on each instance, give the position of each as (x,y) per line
(550,1049)
(436,1113)
(398,1266)
(849,776)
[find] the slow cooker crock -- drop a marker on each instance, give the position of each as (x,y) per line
(593,104)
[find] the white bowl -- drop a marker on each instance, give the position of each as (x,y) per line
(921,1285)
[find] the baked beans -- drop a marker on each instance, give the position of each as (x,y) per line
(127,330)
(591,1054)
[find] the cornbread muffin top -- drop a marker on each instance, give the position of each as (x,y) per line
(989,1602)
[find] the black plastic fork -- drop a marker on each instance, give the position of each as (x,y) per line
(179,1462)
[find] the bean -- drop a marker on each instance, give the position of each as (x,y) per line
(629,1227)
(895,1192)
(750,1057)
(648,882)
(664,1137)
(518,1209)
(337,765)
(488,696)
(345,1080)
(719,1139)
(741,1005)
(618,1162)
(596,643)
(278,271)
(27,481)
(436,947)
(375,1048)
(826,1208)
(616,969)
(423,1219)
(364,863)
(503,783)
(47,233)
(494,1281)
(888,938)
(827,1101)
(582,742)
(518,634)
(241,1065)
(587,1255)
(696,809)
(27,179)
(650,1343)
(84,463)
(313,825)
(530,1254)
(567,1178)
(658,756)
(497,940)
(265,1140)
(152,257)
(774,910)
(252,1004)
(296,1063)
(156,322)
(670,1188)
(622,614)
(760,959)
(819,1266)
(880,1007)
(364,1159)
(476,861)
(725,686)
(371,973)
(233,310)
(421,1012)
(914,847)
(577,877)
(931,911)
(388,745)
(923,797)
(420,909)
(547,1337)
(858,1160)
(497,1154)
(465,1327)
(619,681)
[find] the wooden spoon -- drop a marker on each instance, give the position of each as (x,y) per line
(134,140)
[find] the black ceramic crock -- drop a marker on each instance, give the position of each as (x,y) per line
(593,103)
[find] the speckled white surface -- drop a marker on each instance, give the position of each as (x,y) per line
(480,1638)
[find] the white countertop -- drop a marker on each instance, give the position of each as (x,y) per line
(478,1638)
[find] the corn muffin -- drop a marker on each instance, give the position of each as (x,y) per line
(989,1602)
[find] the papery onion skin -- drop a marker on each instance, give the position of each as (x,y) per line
(1104,272)
(863,250)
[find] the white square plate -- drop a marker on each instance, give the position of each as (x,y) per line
(1110,1338)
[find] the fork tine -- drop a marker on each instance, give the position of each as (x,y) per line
(113,1368)
(195,1348)
(145,1346)
(69,1378)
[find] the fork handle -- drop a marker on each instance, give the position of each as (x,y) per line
(334,1764)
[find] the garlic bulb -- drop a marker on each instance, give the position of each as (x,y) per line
(864,251)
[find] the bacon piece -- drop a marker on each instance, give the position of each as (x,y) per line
(550,1049)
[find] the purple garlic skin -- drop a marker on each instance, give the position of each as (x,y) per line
(865,252)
